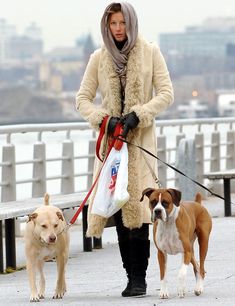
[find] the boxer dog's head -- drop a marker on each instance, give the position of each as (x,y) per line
(161,202)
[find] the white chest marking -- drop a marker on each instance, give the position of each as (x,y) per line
(167,236)
(46,253)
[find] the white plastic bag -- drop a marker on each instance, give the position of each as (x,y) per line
(112,192)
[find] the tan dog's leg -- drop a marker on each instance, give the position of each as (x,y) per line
(162,260)
(61,285)
(31,270)
(41,292)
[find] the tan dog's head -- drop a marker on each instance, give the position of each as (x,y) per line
(161,202)
(48,222)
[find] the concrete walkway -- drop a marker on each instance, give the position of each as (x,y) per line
(97,278)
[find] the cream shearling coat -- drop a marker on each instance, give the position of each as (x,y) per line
(148,92)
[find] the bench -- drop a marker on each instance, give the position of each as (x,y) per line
(226,176)
(9,211)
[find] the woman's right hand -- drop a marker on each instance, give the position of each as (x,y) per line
(112,124)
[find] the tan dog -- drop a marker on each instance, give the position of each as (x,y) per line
(46,238)
(176,226)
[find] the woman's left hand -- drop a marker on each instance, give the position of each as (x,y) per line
(129,121)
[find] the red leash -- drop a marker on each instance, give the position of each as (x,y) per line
(117,144)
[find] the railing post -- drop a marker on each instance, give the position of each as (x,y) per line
(199,155)
(1,249)
(186,162)
(215,160)
(178,139)
(8,173)
(67,171)
(215,152)
(39,170)
(67,182)
(161,153)
(9,194)
(91,160)
(230,155)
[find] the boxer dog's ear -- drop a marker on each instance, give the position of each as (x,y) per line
(176,195)
(146,192)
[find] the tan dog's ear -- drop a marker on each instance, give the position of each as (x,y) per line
(60,216)
(32,217)
(176,195)
(146,192)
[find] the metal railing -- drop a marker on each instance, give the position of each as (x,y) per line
(58,158)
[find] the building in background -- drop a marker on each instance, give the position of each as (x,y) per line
(213,38)
(201,58)
(15,48)
(226,103)
(7,31)
(44,83)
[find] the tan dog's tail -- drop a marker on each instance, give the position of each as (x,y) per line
(46,199)
(198,197)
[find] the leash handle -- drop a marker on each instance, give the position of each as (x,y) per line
(117,133)
(101,135)
(116,136)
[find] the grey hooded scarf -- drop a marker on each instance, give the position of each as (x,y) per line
(120,57)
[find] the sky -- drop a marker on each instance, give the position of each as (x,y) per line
(62,21)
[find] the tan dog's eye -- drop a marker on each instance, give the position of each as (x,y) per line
(55,226)
(44,226)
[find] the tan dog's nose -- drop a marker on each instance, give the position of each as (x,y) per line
(52,238)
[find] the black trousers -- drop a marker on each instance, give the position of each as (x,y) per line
(134,246)
(125,234)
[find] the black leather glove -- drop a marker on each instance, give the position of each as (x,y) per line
(129,121)
(112,124)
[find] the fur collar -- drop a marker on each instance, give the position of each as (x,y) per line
(134,85)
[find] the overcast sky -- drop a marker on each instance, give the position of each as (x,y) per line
(62,21)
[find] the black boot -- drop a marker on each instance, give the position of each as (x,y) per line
(124,247)
(140,250)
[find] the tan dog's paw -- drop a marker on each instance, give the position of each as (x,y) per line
(59,293)
(34,298)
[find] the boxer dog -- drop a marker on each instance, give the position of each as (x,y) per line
(176,227)
(45,239)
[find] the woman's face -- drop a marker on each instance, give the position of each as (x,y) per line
(117,26)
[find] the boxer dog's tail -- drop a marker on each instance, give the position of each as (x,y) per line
(198,197)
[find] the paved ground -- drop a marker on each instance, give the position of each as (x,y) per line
(96,278)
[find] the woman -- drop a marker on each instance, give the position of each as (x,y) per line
(127,70)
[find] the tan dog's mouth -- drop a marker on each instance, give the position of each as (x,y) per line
(50,240)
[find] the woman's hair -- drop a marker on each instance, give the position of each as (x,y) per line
(114,8)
